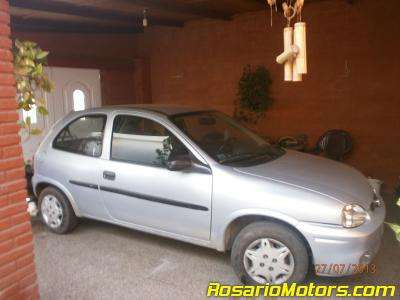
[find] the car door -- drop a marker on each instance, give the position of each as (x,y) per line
(137,187)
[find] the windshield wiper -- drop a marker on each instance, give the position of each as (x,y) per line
(236,158)
(246,156)
(241,157)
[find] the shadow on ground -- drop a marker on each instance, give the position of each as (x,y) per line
(103,261)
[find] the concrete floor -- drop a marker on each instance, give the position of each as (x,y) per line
(103,261)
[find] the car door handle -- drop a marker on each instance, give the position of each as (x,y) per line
(109,175)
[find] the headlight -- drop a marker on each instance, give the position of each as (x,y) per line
(353,215)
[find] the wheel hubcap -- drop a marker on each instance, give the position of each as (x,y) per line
(51,211)
(268,261)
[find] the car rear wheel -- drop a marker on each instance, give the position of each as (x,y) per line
(56,211)
(269,253)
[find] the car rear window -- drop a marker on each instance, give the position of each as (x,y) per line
(82,136)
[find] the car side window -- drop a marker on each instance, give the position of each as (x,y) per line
(143,141)
(82,136)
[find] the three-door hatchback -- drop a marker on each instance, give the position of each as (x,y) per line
(200,177)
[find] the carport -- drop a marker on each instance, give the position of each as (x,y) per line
(190,53)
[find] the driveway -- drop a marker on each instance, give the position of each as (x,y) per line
(103,261)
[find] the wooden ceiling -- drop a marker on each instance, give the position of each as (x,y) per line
(120,16)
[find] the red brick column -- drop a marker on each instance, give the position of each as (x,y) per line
(17,268)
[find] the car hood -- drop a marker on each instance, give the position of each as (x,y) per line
(327,177)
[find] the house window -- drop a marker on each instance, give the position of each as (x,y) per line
(79,100)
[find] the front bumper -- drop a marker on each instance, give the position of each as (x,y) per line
(339,251)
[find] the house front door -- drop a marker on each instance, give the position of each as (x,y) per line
(75,89)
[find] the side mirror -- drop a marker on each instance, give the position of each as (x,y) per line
(179,163)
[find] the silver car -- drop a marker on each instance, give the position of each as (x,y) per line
(200,177)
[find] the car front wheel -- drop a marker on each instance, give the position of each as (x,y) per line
(269,253)
(56,211)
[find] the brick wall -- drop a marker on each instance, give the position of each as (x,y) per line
(17,268)
(352,82)
(121,73)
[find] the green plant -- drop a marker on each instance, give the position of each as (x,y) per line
(29,61)
(253,94)
(163,154)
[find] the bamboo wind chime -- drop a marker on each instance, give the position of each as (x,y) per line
(294,56)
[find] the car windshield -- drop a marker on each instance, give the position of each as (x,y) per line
(224,139)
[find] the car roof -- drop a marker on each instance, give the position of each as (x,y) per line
(168,110)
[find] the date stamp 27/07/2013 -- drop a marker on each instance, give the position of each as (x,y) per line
(343,269)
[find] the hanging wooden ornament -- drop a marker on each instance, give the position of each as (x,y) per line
(296,76)
(300,63)
(300,42)
(289,53)
(289,12)
(271,4)
(294,56)
(298,6)
(290,50)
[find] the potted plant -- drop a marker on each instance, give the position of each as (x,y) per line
(253,94)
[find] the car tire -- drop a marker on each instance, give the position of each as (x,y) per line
(56,211)
(272,237)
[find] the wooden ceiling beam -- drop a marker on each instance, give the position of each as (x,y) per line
(40,25)
(90,61)
(87,11)
(262,2)
(191,9)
